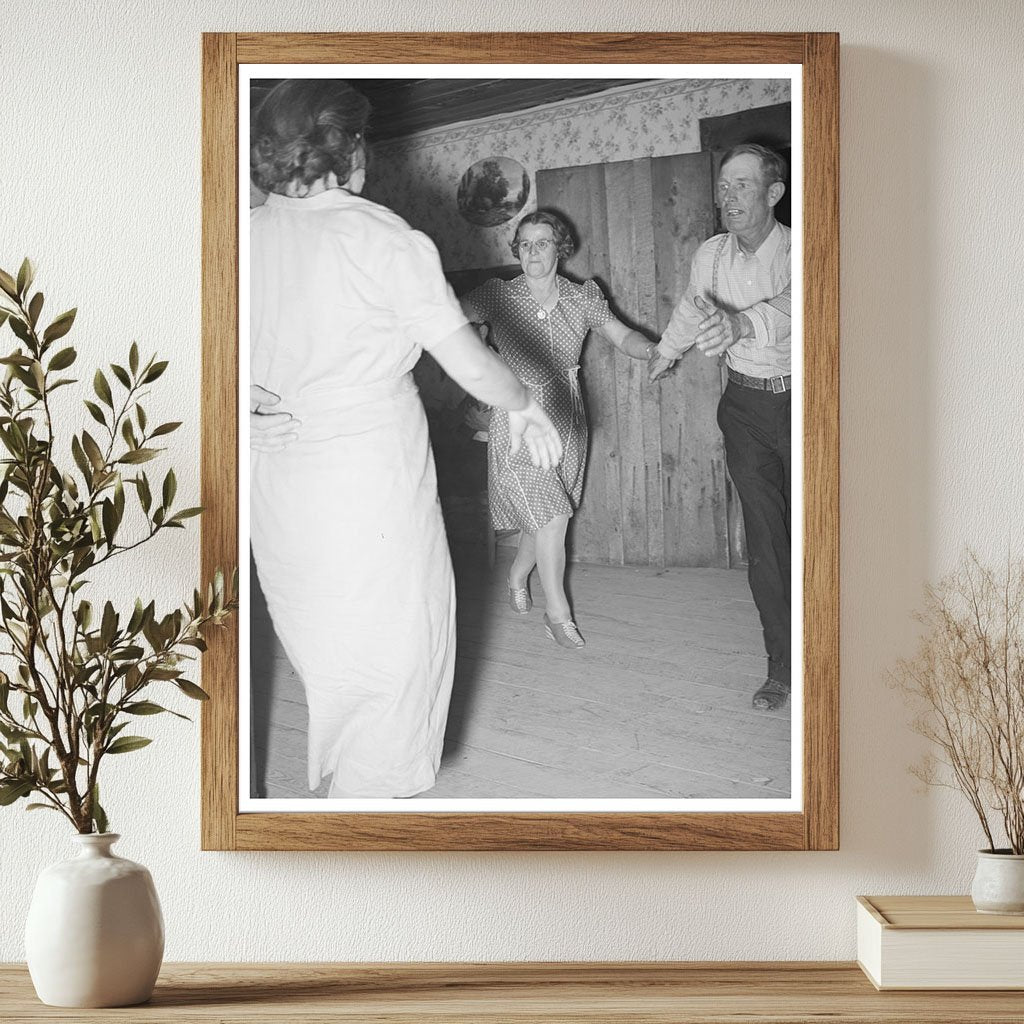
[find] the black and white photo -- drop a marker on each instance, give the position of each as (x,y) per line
(520,361)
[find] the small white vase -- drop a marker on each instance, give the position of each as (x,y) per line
(95,934)
(999,882)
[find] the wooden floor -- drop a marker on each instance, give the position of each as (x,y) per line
(657,704)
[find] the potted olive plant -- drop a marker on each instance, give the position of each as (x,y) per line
(967,682)
(77,672)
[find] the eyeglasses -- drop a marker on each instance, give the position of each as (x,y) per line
(541,245)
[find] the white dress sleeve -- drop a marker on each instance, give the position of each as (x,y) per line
(425,305)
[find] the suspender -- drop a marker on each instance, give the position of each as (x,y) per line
(714,270)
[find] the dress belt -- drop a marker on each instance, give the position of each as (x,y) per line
(572,375)
(335,412)
(777,385)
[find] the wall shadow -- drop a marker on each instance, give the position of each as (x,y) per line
(889,266)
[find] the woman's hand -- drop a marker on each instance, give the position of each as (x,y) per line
(658,366)
(269,431)
(532,426)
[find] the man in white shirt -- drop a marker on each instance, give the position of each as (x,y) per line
(737,303)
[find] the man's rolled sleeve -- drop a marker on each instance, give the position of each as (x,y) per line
(771,320)
(681,331)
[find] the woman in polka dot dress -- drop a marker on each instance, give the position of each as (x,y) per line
(538,322)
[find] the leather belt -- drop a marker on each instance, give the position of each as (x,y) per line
(777,385)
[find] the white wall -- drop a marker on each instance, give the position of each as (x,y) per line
(100,182)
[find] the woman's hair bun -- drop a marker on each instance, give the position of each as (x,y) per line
(303,129)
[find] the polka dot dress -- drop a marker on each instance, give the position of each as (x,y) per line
(542,347)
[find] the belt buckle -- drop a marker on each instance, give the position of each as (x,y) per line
(778,385)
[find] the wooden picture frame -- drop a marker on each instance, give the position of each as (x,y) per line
(816,826)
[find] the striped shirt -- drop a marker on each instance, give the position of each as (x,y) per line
(758,285)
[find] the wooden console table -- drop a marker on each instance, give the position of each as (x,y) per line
(659,993)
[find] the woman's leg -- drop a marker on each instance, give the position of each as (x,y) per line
(550,548)
(525,560)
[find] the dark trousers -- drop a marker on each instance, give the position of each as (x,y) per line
(755,425)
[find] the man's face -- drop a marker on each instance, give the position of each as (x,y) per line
(745,199)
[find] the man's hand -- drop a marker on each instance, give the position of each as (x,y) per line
(269,431)
(658,365)
(719,330)
(532,426)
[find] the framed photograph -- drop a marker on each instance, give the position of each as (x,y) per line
(431,260)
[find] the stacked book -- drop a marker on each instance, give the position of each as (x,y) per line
(907,942)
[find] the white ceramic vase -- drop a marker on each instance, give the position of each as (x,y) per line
(95,934)
(999,883)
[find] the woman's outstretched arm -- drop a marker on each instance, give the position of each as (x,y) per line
(465,358)
(627,340)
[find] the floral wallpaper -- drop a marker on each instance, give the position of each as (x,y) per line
(418,176)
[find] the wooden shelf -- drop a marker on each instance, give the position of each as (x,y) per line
(659,993)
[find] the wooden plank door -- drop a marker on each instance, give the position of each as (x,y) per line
(656,491)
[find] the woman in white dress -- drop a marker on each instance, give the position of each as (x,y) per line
(346,526)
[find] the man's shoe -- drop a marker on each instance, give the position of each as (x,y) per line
(772,696)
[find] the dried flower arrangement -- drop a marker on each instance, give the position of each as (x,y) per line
(967,680)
